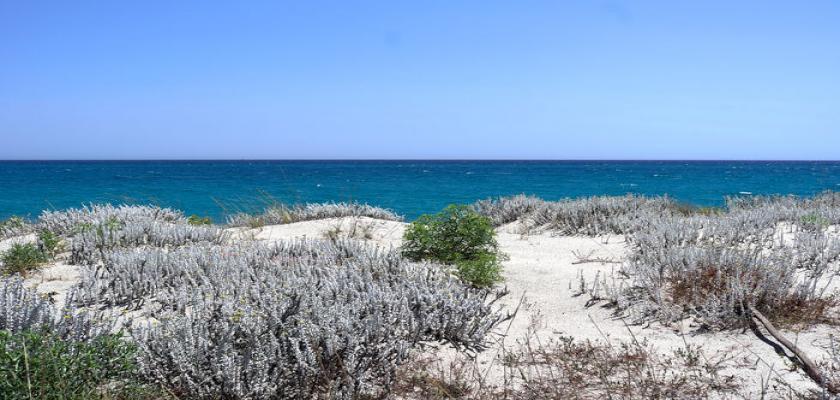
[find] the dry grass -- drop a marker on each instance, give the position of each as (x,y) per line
(565,368)
(791,310)
(360,230)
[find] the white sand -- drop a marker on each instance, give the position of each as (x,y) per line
(541,268)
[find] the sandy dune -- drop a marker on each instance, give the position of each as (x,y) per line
(543,273)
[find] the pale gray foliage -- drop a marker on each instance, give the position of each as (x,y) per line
(810,213)
(711,266)
(592,216)
(606,214)
(94,229)
(15,226)
(816,250)
(503,210)
(283,214)
(715,283)
(90,244)
(286,320)
(129,276)
(68,221)
(631,213)
(21,308)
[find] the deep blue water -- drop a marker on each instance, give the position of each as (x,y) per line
(408,187)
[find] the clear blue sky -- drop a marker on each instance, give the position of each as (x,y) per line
(423,79)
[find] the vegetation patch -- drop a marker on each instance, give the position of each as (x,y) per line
(14,226)
(279,213)
(289,320)
(565,368)
(457,236)
(49,243)
(199,220)
(359,230)
(592,216)
(22,258)
(42,365)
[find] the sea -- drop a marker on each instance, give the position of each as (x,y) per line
(409,187)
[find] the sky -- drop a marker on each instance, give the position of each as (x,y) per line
(420,80)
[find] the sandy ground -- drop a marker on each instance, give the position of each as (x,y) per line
(543,277)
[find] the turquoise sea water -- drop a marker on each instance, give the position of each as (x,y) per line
(408,187)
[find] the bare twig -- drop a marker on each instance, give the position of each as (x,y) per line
(808,365)
(585,259)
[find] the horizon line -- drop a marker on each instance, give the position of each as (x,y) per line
(415,159)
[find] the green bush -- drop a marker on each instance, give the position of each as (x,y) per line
(458,236)
(49,243)
(41,365)
(815,220)
(21,258)
(197,220)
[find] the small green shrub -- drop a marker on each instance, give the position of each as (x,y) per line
(686,209)
(255,222)
(197,220)
(49,243)
(41,365)
(815,220)
(81,228)
(21,258)
(113,224)
(458,236)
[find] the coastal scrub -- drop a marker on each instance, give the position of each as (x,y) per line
(457,236)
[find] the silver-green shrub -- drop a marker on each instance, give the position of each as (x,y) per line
(503,210)
(21,308)
(716,284)
(286,320)
(68,221)
(591,216)
(712,267)
(816,250)
(15,226)
(90,244)
(810,213)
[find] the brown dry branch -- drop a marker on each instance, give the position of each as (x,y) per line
(808,365)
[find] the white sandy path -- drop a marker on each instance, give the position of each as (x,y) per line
(541,267)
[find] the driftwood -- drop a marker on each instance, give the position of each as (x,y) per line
(807,364)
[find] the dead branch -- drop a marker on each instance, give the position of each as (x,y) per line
(581,259)
(808,365)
